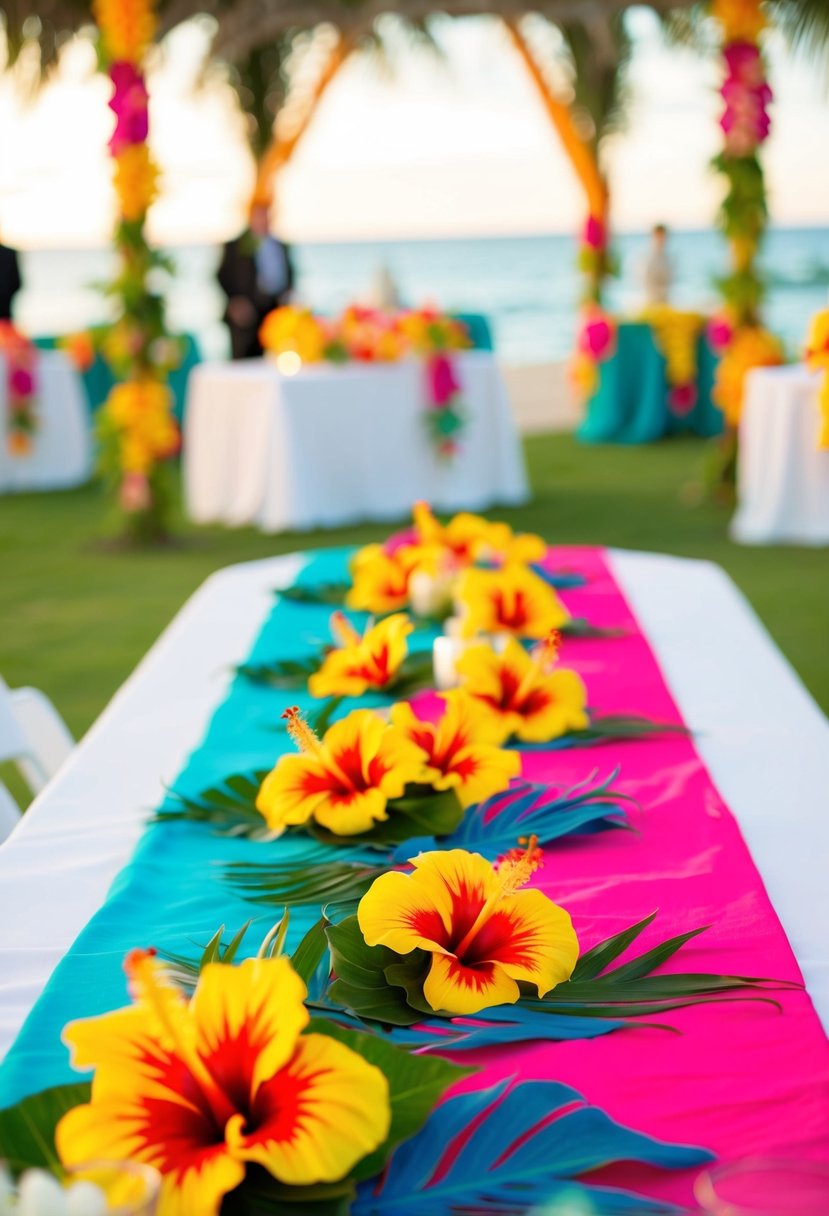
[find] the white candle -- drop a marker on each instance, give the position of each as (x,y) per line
(445,655)
(430,594)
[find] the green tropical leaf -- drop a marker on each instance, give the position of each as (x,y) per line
(27,1130)
(330,594)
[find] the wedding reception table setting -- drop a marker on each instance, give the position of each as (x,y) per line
(523,883)
(348,424)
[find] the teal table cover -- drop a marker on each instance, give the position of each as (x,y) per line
(631,403)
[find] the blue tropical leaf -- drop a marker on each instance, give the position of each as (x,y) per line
(511,1148)
(562,580)
(527,809)
(491,1027)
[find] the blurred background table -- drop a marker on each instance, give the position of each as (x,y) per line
(782,475)
(62,452)
(631,402)
(336,445)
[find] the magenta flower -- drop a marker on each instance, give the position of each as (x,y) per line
(682,398)
(129,105)
(21,382)
(443,384)
(595,233)
(720,332)
(596,336)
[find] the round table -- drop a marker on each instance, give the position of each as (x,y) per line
(782,475)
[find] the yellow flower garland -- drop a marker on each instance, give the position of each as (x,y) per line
(675,334)
(752,346)
(136,182)
(817,358)
(127,28)
(741,20)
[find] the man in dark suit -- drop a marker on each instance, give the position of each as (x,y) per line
(256,275)
(10,281)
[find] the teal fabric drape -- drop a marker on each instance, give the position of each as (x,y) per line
(631,403)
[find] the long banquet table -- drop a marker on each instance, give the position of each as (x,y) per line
(759,733)
(336,445)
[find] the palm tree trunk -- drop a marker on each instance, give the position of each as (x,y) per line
(280,151)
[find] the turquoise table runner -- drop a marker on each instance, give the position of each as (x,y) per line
(172,887)
(631,403)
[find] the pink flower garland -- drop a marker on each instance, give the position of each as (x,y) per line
(745,121)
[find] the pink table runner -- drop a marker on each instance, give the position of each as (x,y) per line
(742,1078)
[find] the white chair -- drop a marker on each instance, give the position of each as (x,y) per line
(32,734)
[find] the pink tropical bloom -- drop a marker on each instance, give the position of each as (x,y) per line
(443,383)
(595,233)
(129,105)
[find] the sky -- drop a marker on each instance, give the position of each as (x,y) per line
(428,147)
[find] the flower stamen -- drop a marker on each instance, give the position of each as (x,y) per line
(343,631)
(301,733)
(143,974)
(514,870)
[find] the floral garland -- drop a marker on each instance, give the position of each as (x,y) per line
(675,334)
(595,344)
(297,335)
(817,358)
(745,123)
(137,428)
(595,260)
(21,389)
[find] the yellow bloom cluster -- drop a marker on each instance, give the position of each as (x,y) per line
(127,28)
(753,346)
(141,412)
(675,334)
(136,181)
(741,20)
(423,330)
(817,358)
(294,329)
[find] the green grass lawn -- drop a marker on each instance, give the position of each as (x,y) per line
(75,618)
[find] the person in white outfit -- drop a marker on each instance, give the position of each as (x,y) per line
(657,271)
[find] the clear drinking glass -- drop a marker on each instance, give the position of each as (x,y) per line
(132,1188)
(764,1186)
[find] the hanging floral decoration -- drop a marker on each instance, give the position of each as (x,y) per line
(751,346)
(365,335)
(596,342)
(20,356)
(137,429)
(745,124)
(595,260)
(817,358)
(676,334)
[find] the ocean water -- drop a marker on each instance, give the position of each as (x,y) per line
(528,287)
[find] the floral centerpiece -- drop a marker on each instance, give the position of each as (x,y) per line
(246,1100)
(296,335)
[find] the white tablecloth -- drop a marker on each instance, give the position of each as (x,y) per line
(761,735)
(62,452)
(336,445)
(782,477)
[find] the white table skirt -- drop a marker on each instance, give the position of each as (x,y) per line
(782,477)
(761,735)
(62,452)
(337,445)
